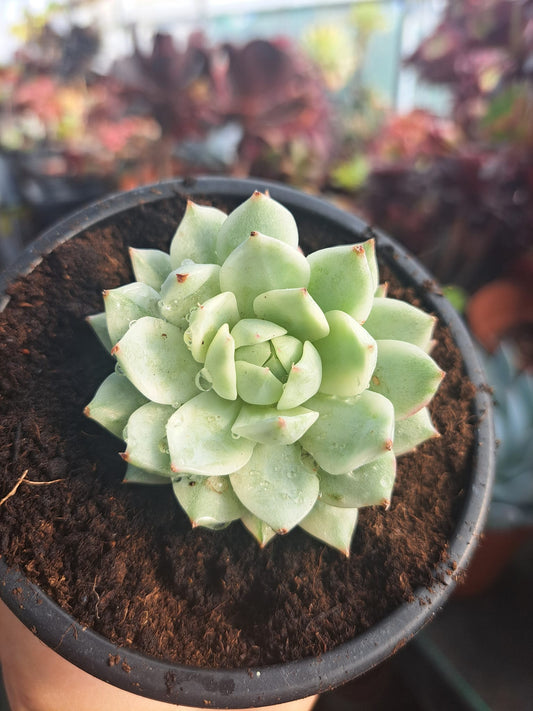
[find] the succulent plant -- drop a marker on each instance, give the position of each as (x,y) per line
(512,494)
(246,379)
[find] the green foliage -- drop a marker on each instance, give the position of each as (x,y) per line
(260,384)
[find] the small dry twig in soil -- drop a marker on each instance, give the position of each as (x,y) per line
(22,479)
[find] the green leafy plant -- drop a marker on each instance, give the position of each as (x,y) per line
(246,379)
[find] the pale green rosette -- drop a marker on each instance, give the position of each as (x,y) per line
(264,385)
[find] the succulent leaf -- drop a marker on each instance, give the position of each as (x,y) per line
(341,279)
(276,368)
(260,213)
(368,485)
(369,246)
(126,304)
(220,364)
(113,403)
(150,266)
(98,322)
(303,380)
(381,291)
(288,350)
(153,355)
(349,432)
(412,431)
(405,375)
(277,486)
(258,354)
(200,439)
(392,319)
(146,439)
(195,238)
(257,385)
(209,501)
(251,331)
(332,525)
(186,287)
(296,310)
(206,319)
(512,494)
(260,530)
(260,264)
(268,425)
(348,355)
(134,475)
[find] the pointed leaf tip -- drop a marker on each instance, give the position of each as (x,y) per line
(277,486)
(341,279)
(261,214)
(268,426)
(195,237)
(392,319)
(368,485)
(150,266)
(349,432)
(126,304)
(406,375)
(332,525)
(208,501)
(414,430)
(113,403)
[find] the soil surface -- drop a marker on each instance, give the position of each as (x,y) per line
(123,559)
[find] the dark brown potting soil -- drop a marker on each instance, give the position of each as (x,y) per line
(123,559)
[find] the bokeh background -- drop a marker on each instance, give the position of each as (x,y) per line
(415,114)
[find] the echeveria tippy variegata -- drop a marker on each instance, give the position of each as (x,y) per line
(262,384)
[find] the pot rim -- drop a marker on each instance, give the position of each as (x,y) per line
(259,686)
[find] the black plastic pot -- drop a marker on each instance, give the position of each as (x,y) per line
(240,688)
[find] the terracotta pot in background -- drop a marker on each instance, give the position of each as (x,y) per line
(496,549)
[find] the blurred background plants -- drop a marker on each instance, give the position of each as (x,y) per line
(179,94)
(459,192)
